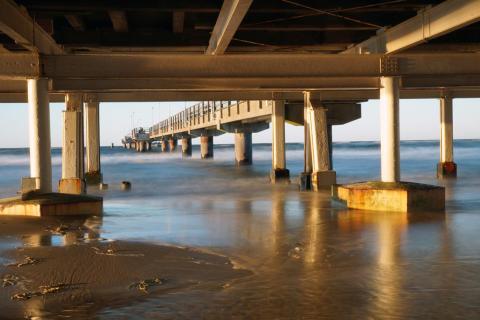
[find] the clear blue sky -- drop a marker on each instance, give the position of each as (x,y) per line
(419,120)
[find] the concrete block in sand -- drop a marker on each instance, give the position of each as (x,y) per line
(391,196)
(51,204)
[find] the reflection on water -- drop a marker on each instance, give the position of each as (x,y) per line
(311,258)
(65,232)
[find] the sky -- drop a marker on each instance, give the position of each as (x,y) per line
(419,120)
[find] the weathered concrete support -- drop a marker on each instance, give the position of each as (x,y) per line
(390,131)
(141,146)
(172,143)
(306,175)
(39,134)
(279,168)
(163,145)
(72,146)
(93,174)
(186,147)
(148,145)
(206,147)
(322,176)
(243,148)
(446,168)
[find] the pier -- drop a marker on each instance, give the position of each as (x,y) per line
(243,89)
(239,159)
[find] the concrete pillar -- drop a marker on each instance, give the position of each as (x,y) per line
(306,175)
(390,130)
(330,146)
(322,176)
(243,148)
(279,168)
(141,146)
(148,146)
(206,147)
(163,145)
(72,146)
(186,147)
(93,173)
(172,143)
(39,134)
(446,168)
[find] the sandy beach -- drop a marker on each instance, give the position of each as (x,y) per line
(87,276)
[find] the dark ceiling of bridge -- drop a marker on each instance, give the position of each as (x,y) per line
(270,25)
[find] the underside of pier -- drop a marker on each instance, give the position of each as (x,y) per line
(317,54)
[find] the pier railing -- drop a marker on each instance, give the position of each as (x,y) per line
(210,113)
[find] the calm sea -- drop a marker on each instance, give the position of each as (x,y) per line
(311,258)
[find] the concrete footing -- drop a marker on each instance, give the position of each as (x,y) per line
(305,181)
(172,143)
(391,196)
(323,179)
(51,204)
(206,147)
(280,176)
(446,170)
(72,186)
(163,146)
(186,147)
(92,178)
(243,148)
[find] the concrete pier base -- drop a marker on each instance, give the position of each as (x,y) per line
(92,178)
(172,143)
(206,147)
(391,196)
(72,186)
(305,182)
(186,147)
(446,170)
(243,148)
(280,176)
(51,204)
(163,146)
(323,179)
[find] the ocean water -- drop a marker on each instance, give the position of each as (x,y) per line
(311,257)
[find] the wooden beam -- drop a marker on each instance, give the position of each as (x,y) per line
(446,17)
(76,22)
(178,21)
(19,26)
(228,21)
(119,20)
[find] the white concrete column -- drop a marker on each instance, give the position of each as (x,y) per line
(39,133)
(307,152)
(446,168)
(390,129)
(319,139)
(72,146)
(278,135)
(92,138)
(243,148)
(446,129)
(322,176)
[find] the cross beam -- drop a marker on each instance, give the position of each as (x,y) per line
(446,17)
(17,24)
(228,21)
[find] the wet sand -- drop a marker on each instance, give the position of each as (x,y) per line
(79,279)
